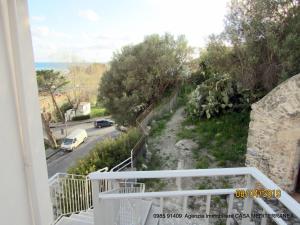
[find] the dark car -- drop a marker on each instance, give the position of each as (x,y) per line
(103,123)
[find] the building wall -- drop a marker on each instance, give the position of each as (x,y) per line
(24,191)
(274,134)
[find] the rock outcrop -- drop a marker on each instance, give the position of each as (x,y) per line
(274,133)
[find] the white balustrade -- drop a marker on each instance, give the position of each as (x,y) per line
(72,193)
(106,204)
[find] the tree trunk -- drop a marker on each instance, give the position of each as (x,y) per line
(69,99)
(48,131)
(56,107)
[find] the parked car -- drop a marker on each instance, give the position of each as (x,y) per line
(74,139)
(103,123)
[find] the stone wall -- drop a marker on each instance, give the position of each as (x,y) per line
(274,134)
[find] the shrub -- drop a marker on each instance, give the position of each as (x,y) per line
(84,117)
(184,92)
(98,111)
(142,74)
(217,95)
(107,153)
(202,163)
(201,74)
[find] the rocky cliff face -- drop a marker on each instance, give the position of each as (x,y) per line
(274,134)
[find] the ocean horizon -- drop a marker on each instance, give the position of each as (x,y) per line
(60,66)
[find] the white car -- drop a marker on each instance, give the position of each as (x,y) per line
(74,139)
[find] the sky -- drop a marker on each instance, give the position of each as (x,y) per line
(92,30)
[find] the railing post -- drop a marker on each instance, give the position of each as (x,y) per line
(87,192)
(263,219)
(185,201)
(248,202)
(131,158)
(208,199)
(104,211)
(161,205)
(178,183)
(179,179)
(230,206)
(96,203)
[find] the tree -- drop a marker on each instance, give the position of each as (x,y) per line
(49,82)
(260,45)
(289,48)
(141,74)
(264,38)
(217,56)
(46,118)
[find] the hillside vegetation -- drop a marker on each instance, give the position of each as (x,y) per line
(107,153)
(142,74)
(260,45)
(258,49)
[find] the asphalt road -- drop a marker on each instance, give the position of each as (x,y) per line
(60,162)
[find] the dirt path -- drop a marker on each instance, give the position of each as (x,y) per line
(177,154)
(171,153)
(174,154)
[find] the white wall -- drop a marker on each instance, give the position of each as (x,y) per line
(24,192)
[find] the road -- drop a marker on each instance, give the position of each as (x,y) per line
(61,161)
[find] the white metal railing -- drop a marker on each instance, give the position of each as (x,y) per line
(121,166)
(128,214)
(103,202)
(71,193)
(131,187)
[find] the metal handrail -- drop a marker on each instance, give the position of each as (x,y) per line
(172,173)
(71,193)
(159,194)
(251,172)
(105,169)
(121,165)
(57,175)
(269,210)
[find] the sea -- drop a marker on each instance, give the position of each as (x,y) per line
(59,66)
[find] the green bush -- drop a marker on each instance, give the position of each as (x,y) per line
(84,117)
(107,153)
(201,74)
(217,95)
(184,92)
(142,74)
(98,111)
(202,163)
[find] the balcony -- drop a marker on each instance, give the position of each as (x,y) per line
(122,198)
